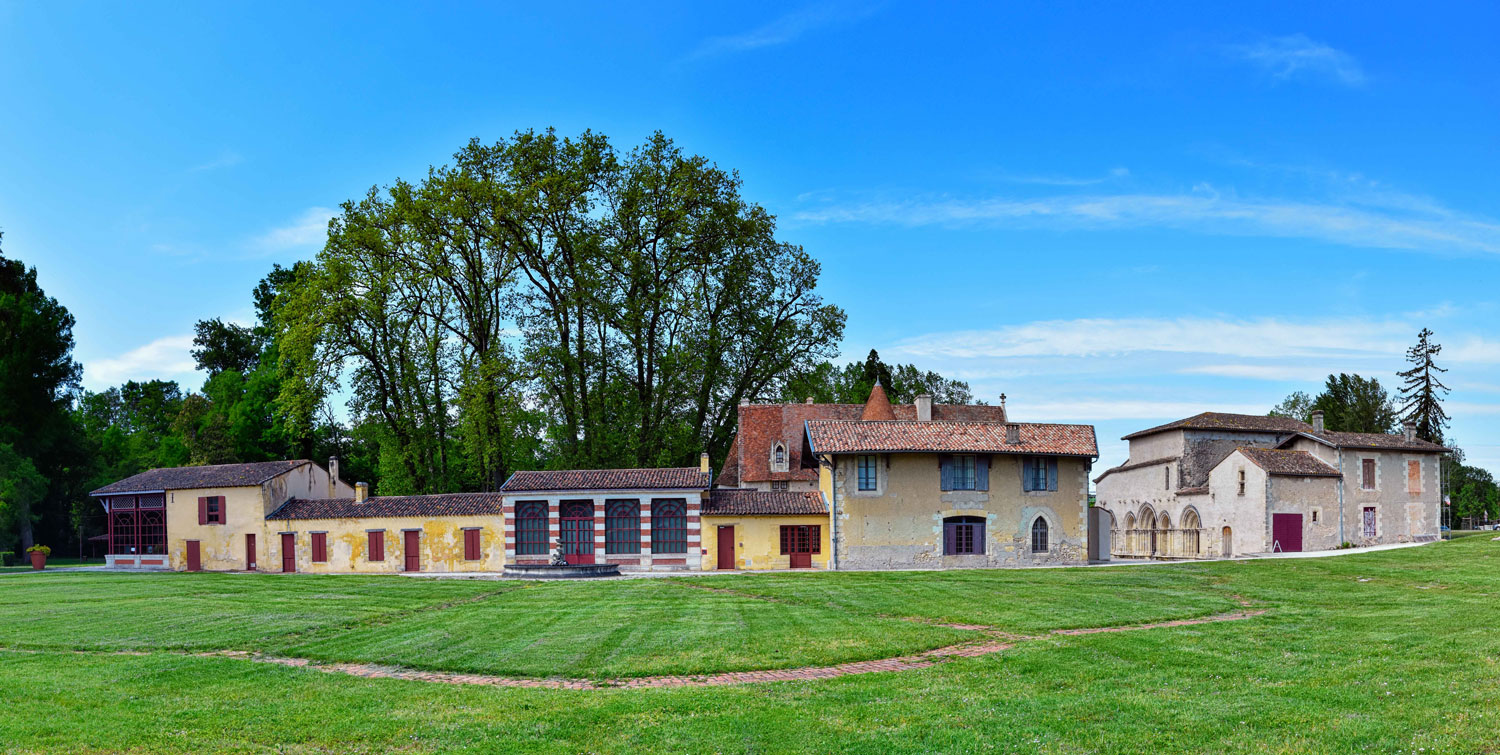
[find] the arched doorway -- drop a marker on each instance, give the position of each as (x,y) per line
(1227,548)
(1190,528)
(1161,538)
(1146,526)
(1130,537)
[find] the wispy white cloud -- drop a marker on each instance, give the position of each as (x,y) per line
(783,30)
(1275,372)
(225,160)
(1297,56)
(1114,174)
(308,230)
(1203,210)
(168,358)
(1100,411)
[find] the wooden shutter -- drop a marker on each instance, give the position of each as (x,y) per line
(320,547)
(1052,474)
(223,510)
(471,545)
(1367,474)
(1413,476)
(982,472)
(203,509)
(945,471)
(377,546)
(815,532)
(786,532)
(1028,470)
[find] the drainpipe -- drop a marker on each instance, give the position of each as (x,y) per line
(833,511)
(1340,457)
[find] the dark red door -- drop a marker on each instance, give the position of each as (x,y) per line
(194,556)
(797,542)
(577,533)
(726,546)
(288,552)
(250,551)
(410,540)
(1286,533)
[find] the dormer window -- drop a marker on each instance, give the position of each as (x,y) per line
(778,458)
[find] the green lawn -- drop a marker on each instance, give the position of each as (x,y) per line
(1383,652)
(23,563)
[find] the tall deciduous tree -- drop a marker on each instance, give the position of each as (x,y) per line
(1298,406)
(1351,403)
(1422,391)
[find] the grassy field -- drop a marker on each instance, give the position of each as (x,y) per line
(1383,652)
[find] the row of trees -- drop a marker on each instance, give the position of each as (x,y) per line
(1351,403)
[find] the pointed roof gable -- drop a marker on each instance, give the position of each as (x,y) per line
(877,407)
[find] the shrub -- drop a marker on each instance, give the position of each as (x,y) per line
(7,558)
(42,549)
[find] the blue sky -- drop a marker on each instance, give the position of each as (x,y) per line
(1115,216)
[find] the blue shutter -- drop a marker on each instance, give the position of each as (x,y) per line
(945,466)
(1026,473)
(1052,474)
(982,472)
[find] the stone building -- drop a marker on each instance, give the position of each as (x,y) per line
(1217,485)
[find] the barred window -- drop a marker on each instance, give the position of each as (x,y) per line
(963,473)
(668,526)
(531,528)
(622,526)
(867,472)
(1039,535)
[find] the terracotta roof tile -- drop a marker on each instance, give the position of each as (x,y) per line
(1129,465)
(1380,441)
(451,504)
(1225,421)
(877,407)
(764,502)
(1282,462)
(672,478)
(215,476)
(833,436)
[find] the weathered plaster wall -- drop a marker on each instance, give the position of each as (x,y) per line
(1204,449)
(1156,446)
(758,541)
(221,546)
(1316,499)
(440,544)
(1401,516)
(901,524)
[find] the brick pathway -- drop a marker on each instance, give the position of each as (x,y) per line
(998,642)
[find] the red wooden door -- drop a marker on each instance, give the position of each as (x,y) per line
(288,552)
(577,533)
(726,546)
(194,556)
(250,551)
(797,544)
(410,540)
(1286,533)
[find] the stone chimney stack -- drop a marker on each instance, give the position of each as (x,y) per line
(1012,434)
(1317,420)
(703,463)
(809,399)
(1411,430)
(361,491)
(924,408)
(333,477)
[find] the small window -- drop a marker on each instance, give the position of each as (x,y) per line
(531,528)
(964,477)
(867,472)
(471,544)
(1242,482)
(1167,484)
(320,547)
(1315,516)
(668,526)
(778,458)
(1039,536)
(1038,473)
(376,551)
(213,509)
(780,485)
(963,535)
(622,526)
(1367,474)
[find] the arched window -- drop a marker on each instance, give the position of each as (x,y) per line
(622,526)
(1130,535)
(1190,528)
(531,528)
(1039,536)
(778,458)
(963,535)
(668,526)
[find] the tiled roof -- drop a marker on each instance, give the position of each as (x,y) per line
(877,406)
(834,436)
(764,502)
(1223,421)
(1278,461)
(1129,465)
(672,478)
(215,476)
(451,504)
(762,425)
(1380,441)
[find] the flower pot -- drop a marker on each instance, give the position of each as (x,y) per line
(38,560)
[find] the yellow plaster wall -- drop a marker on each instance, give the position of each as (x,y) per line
(758,541)
(441,545)
(222,546)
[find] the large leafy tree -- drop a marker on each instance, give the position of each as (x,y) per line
(1298,406)
(38,379)
(1422,391)
(1355,404)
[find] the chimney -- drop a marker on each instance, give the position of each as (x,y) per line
(1411,430)
(809,399)
(333,477)
(1012,434)
(924,408)
(703,463)
(1317,420)
(361,491)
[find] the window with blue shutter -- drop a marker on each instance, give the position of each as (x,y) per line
(981,473)
(945,468)
(1052,474)
(1038,473)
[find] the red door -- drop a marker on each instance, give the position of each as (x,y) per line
(726,546)
(250,551)
(577,534)
(410,540)
(798,542)
(288,552)
(194,556)
(1286,533)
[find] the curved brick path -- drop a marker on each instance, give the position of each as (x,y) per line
(998,642)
